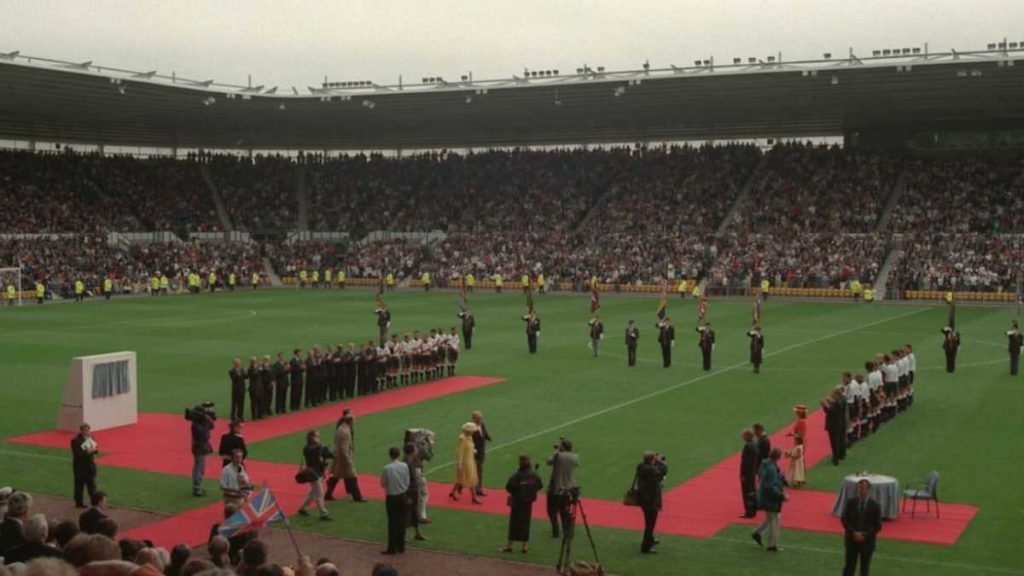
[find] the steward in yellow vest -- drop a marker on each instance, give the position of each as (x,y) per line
(498,281)
(211,279)
(108,287)
(40,292)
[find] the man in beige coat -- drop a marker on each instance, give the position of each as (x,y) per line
(344,466)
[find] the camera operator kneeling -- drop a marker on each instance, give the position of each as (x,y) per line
(649,476)
(562,487)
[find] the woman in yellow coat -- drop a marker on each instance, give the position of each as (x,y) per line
(465,464)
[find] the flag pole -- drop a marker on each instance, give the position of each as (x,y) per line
(287,527)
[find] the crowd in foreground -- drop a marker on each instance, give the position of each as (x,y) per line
(32,544)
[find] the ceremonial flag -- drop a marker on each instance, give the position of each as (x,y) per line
(662,303)
(529,300)
(463,294)
(702,308)
(756,314)
(949,298)
(595,298)
(260,510)
(380,293)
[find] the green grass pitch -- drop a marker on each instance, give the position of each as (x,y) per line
(966,425)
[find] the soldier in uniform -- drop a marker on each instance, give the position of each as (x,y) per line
(453,351)
(296,367)
(632,338)
(532,330)
(756,347)
(312,377)
(706,344)
(383,323)
(1014,340)
(237,375)
(667,339)
(348,367)
(255,388)
(338,381)
(280,370)
(950,344)
(596,333)
(468,324)
(330,373)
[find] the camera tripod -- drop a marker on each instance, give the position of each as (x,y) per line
(565,554)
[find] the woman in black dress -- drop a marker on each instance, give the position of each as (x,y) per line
(522,488)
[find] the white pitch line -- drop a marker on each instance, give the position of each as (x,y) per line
(674,387)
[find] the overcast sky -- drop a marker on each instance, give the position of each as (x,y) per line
(284,42)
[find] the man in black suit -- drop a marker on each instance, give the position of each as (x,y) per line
(280,371)
(468,325)
(255,378)
(632,337)
(706,344)
(749,463)
(532,330)
(296,367)
(835,424)
(667,339)
(232,441)
(950,344)
(862,520)
(237,375)
(83,463)
(89,520)
(480,439)
(649,477)
(764,443)
(12,531)
(1014,342)
(36,529)
(348,371)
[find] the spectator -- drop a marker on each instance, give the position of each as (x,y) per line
(12,532)
(89,520)
(36,529)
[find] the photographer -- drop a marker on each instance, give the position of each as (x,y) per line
(649,476)
(202,418)
(562,487)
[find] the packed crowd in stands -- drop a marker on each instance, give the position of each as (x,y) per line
(92,546)
(625,215)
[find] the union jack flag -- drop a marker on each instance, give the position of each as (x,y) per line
(260,510)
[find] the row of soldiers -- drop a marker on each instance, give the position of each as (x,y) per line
(340,372)
(666,340)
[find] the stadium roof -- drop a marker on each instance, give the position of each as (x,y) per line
(52,101)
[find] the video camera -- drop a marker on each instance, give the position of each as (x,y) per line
(201,412)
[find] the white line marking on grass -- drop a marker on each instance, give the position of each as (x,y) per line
(34,455)
(674,387)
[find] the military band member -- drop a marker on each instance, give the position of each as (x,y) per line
(632,338)
(297,369)
(468,325)
(950,344)
(596,333)
(237,375)
(255,388)
(383,323)
(756,347)
(667,339)
(706,344)
(532,329)
(1014,340)
(280,370)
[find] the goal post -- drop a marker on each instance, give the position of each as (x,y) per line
(9,277)
(101,390)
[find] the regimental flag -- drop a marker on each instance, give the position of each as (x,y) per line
(756,313)
(662,303)
(529,300)
(702,307)
(950,299)
(380,293)
(595,297)
(260,510)
(463,294)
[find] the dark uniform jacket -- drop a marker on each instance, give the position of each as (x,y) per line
(468,322)
(596,330)
(532,325)
(632,336)
(749,460)
(707,339)
(666,334)
(648,482)
(229,443)
(756,345)
(83,463)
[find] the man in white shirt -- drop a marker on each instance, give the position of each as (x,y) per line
(395,481)
(452,350)
(234,480)
(911,372)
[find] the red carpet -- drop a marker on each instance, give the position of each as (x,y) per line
(700,508)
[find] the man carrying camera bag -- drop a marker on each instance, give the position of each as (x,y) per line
(562,487)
